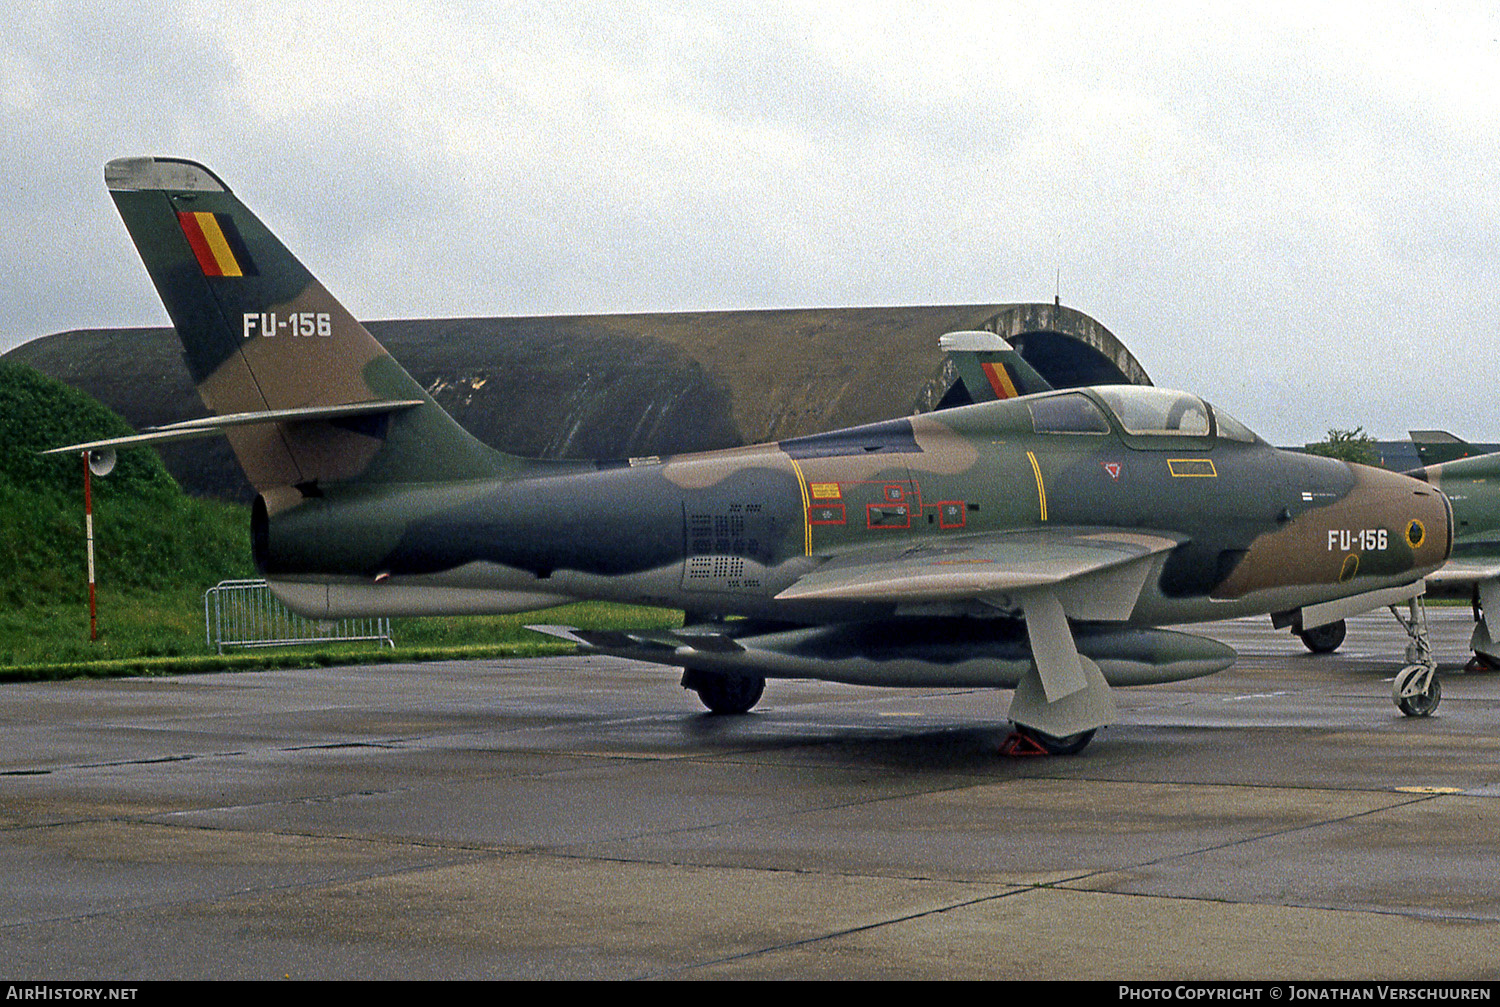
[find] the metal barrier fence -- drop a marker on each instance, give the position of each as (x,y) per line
(244,613)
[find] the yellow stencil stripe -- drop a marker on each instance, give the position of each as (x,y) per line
(209,225)
(806,521)
(1041,489)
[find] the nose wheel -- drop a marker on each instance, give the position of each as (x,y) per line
(1416,691)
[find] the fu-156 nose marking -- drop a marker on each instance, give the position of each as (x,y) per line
(1380,529)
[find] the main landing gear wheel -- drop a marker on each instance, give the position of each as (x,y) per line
(723,693)
(1417,691)
(1323,639)
(1070,744)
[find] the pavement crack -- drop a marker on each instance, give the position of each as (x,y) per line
(834,934)
(1273,834)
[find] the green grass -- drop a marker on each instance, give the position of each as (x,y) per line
(157,551)
(162,633)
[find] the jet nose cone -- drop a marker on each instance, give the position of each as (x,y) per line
(1399,525)
(1349,529)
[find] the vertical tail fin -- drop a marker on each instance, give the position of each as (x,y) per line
(260,333)
(990,368)
(1437,446)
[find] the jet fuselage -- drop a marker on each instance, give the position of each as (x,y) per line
(724,533)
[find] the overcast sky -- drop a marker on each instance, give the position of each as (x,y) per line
(1291,209)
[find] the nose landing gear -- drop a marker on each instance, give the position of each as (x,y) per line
(1416,691)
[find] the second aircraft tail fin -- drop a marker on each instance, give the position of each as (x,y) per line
(990,368)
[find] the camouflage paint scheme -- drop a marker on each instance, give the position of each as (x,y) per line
(1473,487)
(1028,541)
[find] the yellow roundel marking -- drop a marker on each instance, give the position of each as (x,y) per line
(1415,533)
(1350,567)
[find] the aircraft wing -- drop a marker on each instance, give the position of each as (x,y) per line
(1097,573)
(1466,570)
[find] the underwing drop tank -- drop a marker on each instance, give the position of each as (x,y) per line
(931,652)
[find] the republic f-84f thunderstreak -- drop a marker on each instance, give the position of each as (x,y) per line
(1035,540)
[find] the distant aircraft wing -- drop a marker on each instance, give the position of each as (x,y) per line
(1097,573)
(1466,570)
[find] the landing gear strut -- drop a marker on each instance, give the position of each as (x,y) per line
(1482,643)
(723,693)
(1417,690)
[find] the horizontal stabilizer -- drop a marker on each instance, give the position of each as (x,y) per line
(568,633)
(212,426)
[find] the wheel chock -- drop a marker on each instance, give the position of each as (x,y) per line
(1019,746)
(1479,664)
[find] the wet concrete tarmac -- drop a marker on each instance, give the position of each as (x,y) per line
(583,818)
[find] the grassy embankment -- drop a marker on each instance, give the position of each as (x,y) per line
(157,551)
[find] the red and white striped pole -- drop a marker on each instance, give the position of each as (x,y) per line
(88,527)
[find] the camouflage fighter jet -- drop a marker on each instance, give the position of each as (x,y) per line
(1031,541)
